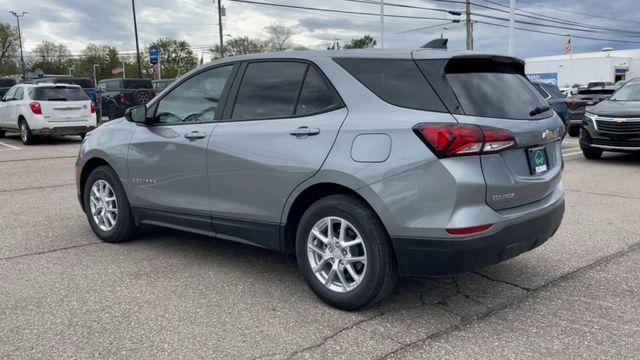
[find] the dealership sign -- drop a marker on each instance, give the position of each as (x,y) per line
(547,78)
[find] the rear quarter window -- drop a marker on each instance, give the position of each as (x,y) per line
(396,81)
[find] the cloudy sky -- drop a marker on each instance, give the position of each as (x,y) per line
(78,22)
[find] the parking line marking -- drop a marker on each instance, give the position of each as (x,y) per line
(10,147)
(573,148)
(573,153)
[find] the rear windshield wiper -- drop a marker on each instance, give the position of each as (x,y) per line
(539,110)
(57,99)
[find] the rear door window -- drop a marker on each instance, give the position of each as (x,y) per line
(59,93)
(269,90)
(396,81)
(553,90)
(494,89)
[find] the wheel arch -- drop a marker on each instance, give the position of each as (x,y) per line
(305,196)
(86,169)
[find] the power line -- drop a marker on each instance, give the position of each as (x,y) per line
(336,11)
(556,34)
(423,28)
(578,13)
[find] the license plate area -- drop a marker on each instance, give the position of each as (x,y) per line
(538,160)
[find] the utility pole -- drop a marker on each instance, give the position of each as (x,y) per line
(512,24)
(382,24)
(220,28)
(18,16)
(135,28)
(469,27)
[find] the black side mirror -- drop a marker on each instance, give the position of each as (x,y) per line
(136,114)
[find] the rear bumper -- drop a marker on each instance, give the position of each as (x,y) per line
(424,256)
(63,130)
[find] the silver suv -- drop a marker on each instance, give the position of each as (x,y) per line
(364,165)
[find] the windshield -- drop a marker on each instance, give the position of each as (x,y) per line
(629,92)
(59,93)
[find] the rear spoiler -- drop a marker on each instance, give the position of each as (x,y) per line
(436,44)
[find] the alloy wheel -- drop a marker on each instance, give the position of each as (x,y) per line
(103,205)
(337,254)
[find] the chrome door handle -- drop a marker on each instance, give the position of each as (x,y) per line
(194,135)
(305,131)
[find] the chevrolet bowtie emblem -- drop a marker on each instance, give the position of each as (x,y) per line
(547,135)
(620,120)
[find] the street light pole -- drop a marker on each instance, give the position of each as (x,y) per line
(135,28)
(512,24)
(220,28)
(382,24)
(18,16)
(469,26)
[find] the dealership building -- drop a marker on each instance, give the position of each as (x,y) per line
(607,65)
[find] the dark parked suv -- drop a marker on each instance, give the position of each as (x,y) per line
(116,95)
(613,124)
(364,165)
(577,104)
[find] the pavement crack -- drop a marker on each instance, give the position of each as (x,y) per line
(49,251)
(37,188)
(602,194)
(502,281)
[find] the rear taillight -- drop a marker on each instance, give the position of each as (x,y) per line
(122,98)
(36,109)
(569,102)
(93,108)
(447,140)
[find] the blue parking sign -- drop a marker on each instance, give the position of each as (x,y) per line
(153,54)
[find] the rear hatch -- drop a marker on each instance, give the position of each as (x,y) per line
(494,93)
(587,97)
(61,103)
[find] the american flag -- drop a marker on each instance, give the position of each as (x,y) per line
(117,70)
(568,49)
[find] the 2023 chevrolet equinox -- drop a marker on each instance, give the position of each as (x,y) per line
(365,165)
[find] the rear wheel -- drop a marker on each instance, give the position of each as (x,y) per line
(2,132)
(26,135)
(82,136)
(111,113)
(344,253)
(107,207)
(574,130)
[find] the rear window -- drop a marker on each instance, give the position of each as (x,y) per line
(490,88)
(398,82)
(137,84)
(59,93)
(552,90)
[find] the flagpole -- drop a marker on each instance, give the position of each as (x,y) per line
(124,74)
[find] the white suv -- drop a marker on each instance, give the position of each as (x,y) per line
(46,109)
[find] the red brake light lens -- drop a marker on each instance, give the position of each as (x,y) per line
(448,140)
(122,98)
(36,109)
(93,108)
(469,230)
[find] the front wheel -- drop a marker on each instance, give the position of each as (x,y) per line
(344,253)
(592,153)
(107,207)
(574,130)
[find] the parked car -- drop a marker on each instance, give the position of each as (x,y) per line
(119,94)
(362,164)
(613,124)
(46,109)
(6,84)
(555,99)
(84,82)
(159,85)
(598,84)
(577,104)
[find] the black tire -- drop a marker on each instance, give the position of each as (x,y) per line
(124,228)
(111,113)
(592,154)
(26,135)
(574,130)
(2,132)
(82,136)
(381,272)
(141,97)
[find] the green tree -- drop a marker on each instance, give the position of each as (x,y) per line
(105,56)
(177,57)
(364,42)
(240,46)
(8,49)
(51,58)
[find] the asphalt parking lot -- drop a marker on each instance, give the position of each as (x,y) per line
(64,294)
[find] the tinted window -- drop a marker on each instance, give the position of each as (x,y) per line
(316,95)
(196,99)
(137,84)
(269,90)
(491,88)
(7,82)
(398,82)
(59,93)
(552,90)
(629,92)
(540,90)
